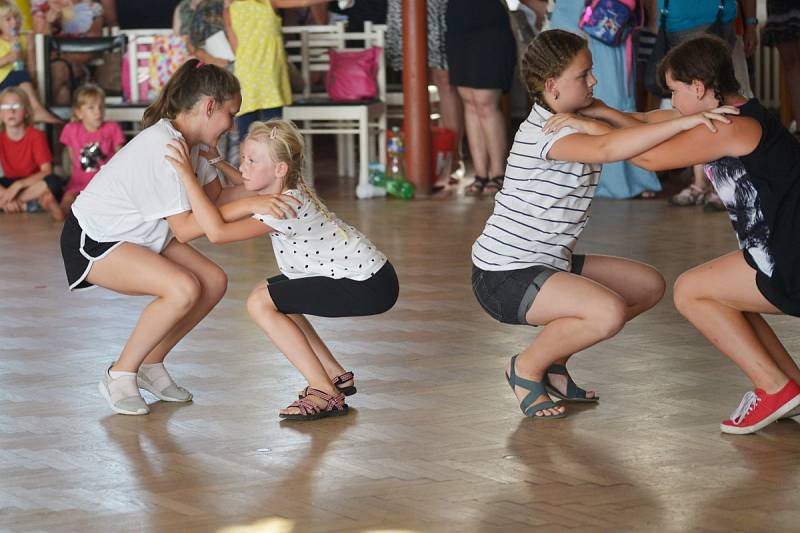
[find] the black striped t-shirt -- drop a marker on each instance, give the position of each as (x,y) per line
(543,206)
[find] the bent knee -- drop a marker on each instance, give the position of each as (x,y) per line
(184,291)
(608,318)
(685,292)
(216,283)
(259,302)
(656,286)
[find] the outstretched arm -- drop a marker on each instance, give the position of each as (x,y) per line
(625,143)
(620,119)
(699,145)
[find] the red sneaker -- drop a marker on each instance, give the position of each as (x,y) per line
(759,409)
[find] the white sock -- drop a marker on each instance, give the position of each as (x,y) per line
(116,374)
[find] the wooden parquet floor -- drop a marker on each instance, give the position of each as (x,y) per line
(435,441)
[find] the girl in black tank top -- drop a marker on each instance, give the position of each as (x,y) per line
(754,165)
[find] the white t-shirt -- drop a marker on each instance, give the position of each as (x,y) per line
(129,199)
(543,206)
(313,245)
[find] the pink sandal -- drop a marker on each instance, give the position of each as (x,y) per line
(311,411)
(348,390)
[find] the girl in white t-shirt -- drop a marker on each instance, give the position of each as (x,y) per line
(328,268)
(524,269)
(129,228)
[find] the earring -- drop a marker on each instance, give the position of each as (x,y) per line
(556,96)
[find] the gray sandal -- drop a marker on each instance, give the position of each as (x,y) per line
(574,393)
(536,389)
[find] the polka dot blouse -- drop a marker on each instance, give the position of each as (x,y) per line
(313,245)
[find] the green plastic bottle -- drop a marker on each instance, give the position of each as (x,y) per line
(400,188)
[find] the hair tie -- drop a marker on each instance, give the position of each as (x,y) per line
(199,64)
(274,132)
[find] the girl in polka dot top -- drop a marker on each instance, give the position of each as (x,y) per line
(328,268)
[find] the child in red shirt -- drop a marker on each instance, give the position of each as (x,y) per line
(26,158)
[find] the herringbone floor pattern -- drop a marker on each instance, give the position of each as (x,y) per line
(435,441)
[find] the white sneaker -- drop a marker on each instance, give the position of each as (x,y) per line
(156,380)
(122,395)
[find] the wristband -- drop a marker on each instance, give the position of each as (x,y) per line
(750,21)
(214,162)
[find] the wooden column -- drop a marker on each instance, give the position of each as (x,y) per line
(416,121)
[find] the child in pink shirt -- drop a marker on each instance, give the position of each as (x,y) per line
(91,140)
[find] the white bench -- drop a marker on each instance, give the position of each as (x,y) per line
(307,48)
(117,108)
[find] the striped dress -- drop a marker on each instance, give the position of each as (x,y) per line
(543,205)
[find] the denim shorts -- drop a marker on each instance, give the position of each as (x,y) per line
(507,295)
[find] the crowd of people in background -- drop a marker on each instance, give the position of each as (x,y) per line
(472,59)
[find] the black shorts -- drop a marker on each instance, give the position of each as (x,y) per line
(329,297)
(80,252)
(54,184)
(507,295)
(15,78)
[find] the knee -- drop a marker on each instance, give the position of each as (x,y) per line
(216,283)
(684,293)
(486,107)
(259,303)
(609,318)
(655,288)
(185,291)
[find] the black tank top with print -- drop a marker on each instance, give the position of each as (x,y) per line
(761,191)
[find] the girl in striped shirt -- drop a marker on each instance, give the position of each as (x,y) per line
(524,269)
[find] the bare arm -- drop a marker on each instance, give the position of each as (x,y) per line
(620,119)
(240,226)
(176,21)
(229,33)
(228,170)
(699,145)
(208,217)
(624,143)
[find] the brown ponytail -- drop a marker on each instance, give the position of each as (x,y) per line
(193,80)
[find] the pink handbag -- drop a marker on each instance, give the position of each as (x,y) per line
(353,75)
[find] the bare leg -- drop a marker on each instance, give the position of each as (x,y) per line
(576,313)
(39,191)
(640,286)
(134,270)
(774,346)
(213,283)
(493,127)
(289,338)
(323,353)
(717,297)
(40,114)
(67,201)
(60,83)
(475,137)
(451,106)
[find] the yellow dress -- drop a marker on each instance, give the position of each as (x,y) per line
(5,47)
(260,56)
(25,9)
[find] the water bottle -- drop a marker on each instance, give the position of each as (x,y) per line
(400,189)
(18,64)
(395,154)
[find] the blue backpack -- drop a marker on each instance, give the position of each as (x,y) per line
(611,21)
